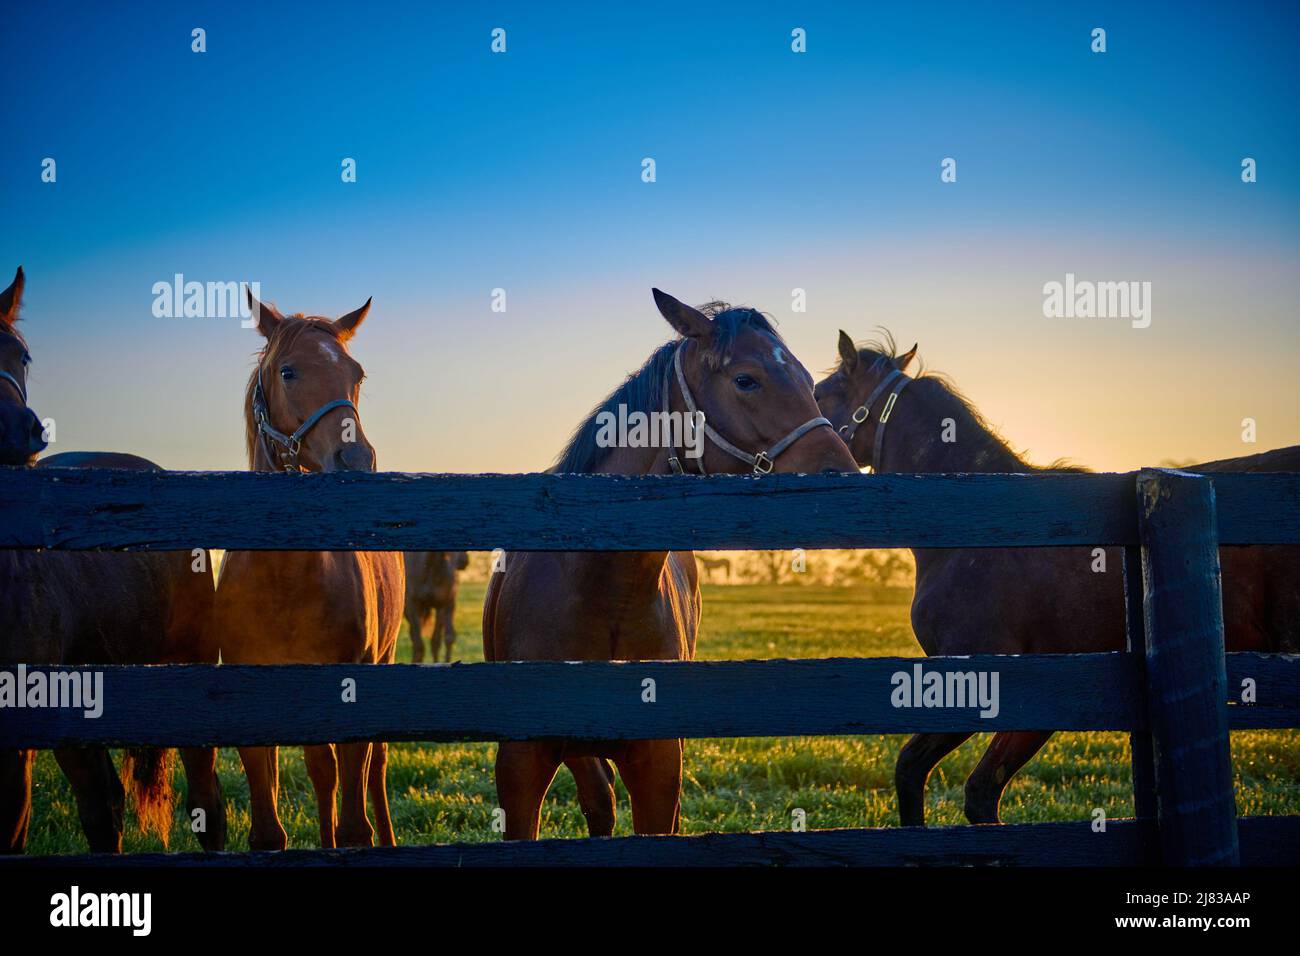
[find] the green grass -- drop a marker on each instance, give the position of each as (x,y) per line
(444,792)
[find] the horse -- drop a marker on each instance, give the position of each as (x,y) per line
(1019,600)
(731,365)
(431,588)
(709,565)
(316,607)
(90,608)
(21,432)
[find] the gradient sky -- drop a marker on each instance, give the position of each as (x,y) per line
(775,171)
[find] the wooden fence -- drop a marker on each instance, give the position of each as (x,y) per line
(1175,692)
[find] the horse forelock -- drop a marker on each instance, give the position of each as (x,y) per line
(287,335)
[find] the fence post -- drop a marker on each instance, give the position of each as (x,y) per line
(1186,678)
(1143,756)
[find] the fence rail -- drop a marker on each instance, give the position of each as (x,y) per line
(1175,691)
(87,509)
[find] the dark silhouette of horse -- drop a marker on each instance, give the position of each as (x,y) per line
(431,587)
(317,607)
(732,366)
(709,565)
(91,608)
(21,434)
(1020,600)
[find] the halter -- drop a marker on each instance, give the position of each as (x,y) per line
(762,462)
(16,384)
(292,443)
(863,412)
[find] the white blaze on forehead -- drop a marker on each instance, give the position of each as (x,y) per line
(779,354)
(330,349)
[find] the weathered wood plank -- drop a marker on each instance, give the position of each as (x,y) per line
(1276,689)
(1124,843)
(1185,669)
(100,509)
(200,705)
(1257,508)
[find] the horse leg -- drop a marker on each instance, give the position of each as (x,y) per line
(524,771)
(1009,751)
(15,799)
(354,771)
(324,773)
(444,628)
(378,784)
(203,794)
(919,756)
(100,797)
(416,627)
(595,780)
(652,771)
(262,767)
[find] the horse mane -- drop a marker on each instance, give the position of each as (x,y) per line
(643,390)
(882,349)
(290,330)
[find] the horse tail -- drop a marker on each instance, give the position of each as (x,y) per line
(147,774)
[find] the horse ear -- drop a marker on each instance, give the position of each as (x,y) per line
(347,325)
(848,352)
(11,299)
(268,316)
(689,322)
(904,360)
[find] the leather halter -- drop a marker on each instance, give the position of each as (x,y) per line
(16,384)
(292,444)
(762,462)
(863,412)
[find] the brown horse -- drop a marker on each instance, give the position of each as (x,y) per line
(1019,600)
(732,366)
(431,588)
(89,608)
(311,606)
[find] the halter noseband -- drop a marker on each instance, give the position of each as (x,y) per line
(863,412)
(292,444)
(762,462)
(16,384)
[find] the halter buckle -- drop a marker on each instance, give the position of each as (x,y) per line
(760,460)
(860,415)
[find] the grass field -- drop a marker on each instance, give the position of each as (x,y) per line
(444,792)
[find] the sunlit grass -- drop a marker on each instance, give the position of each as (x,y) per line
(445,792)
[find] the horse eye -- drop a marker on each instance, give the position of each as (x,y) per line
(286,372)
(27,359)
(746,383)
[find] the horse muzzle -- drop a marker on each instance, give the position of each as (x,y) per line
(22,436)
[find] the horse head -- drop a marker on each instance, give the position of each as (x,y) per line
(301,403)
(21,432)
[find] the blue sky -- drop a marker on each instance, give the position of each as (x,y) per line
(775,170)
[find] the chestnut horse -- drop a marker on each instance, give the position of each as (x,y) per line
(311,607)
(1019,600)
(732,366)
(431,588)
(90,608)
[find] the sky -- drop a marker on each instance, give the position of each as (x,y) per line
(774,171)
